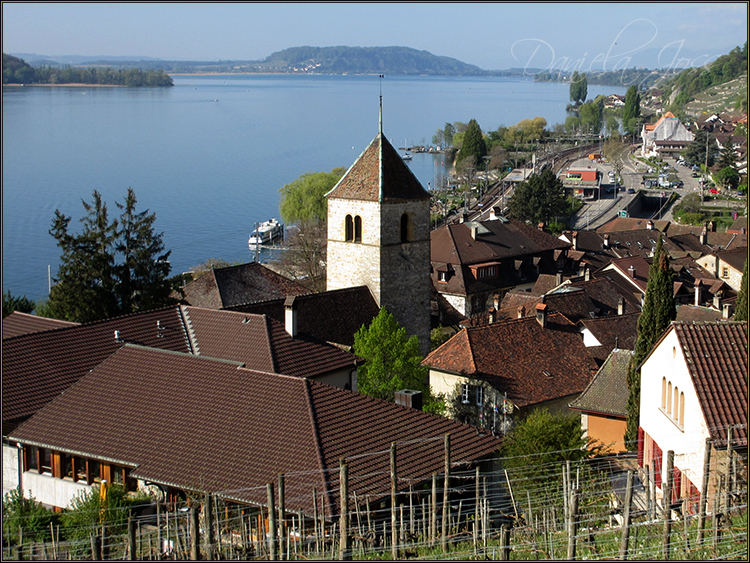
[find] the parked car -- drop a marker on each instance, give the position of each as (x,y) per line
(631,190)
(714,191)
(694,175)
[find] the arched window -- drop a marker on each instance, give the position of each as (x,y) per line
(358,229)
(676,403)
(348,229)
(405,228)
(669,398)
(663,392)
(682,409)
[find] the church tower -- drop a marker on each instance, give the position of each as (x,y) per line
(379,236)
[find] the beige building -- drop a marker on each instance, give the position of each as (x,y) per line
(379,236)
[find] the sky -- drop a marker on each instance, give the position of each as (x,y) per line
(585,36)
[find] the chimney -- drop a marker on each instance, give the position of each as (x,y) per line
(620,306)
(290,316)
(540,226)
(712,226)
(541,314)
(491,315)
(118,338)
(606,241)
(409,398)
(704,237)
(496,301)
(587,274)
(521,312)
(650,225)
(474,233)
(697,293)
(726,310)
(464,217)
(717,300)
(575,240)
(631,271)
(558,278)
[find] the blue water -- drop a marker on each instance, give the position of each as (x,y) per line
(209,155)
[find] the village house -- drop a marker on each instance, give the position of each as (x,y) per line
(474,261)
(726,265)
(666,137)
(223,288)
(693,390)
(181,423)
(604,403)
(18,323)
(489,374)
(584,183)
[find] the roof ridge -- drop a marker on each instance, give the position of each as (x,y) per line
(318,442)
(187,325)
(380,164)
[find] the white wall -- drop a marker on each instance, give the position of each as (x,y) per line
(51,490)
(688,441)
(10,468)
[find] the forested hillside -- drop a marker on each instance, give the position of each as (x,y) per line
(17,71)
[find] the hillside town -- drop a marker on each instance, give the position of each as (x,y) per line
(253,376)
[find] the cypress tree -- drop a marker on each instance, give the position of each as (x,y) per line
(658,312)
(740,312)
(473,144)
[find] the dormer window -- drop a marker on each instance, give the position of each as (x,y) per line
(443,277)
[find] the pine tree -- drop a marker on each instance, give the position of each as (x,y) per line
(658,312)
(632,110)
(740,312)
(473,143)
(144,267)
(91,283)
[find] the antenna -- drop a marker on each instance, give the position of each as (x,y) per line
(380,118)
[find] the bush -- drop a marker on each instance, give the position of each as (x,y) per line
(22,513)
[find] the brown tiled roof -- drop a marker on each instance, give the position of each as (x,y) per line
(513,356)
(716,356)
(629,224)
(261,343)
(379,174)
(608,391)
(616,331)
(690,313)
(38,367)
(222,288)
(735,258)
(197,423)
(606,294)
(18,323)
(329,316)
(640,272)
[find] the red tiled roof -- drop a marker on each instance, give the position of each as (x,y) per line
(197,423)
(18,323)
(38,367)
(514,355)
(608,391)
(379,174)
(716,355)
(261,343)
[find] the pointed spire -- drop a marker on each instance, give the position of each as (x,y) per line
(380,115)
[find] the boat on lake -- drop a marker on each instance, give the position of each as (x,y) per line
(407,156)
(266,232)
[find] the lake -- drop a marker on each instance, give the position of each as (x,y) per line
(209,155)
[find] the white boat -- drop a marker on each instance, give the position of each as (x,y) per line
(407,156)
(266,232)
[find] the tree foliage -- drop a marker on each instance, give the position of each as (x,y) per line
(727,177)
(303,201)
(473,143)
(658,312)
(24,512)
(392,361)
(112,267)
(578,88)
(727,156)
(703,149)
(20,304)
(632,110)
(592,117)
(740,312)
(540,198)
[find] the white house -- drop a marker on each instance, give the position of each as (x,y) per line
(693,387)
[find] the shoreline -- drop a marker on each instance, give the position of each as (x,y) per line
(74,84)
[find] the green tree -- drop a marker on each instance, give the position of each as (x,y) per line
(591,117)
(473,143)
(303,200)
(578,88)
(702,150)
(658,312)
(740,312)
(143,269)
(20,512)
(20,304)
(540,198)
(632,110)
(85,285)
(727,177)
(612,126)
(392,360)
(727,156)
(538,443)
(112,267)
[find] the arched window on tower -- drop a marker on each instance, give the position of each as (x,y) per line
(405,227)
(348,229)
(358,229)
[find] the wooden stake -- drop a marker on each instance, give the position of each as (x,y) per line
(446,493)
(433,511)
(345,553)
(283,547)
(209,521)
(271,522)
(195,552)
(728,472)
(476,508)
(573,524)
(625,537)
(667,505)
(394,479)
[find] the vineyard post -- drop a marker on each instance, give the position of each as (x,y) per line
(625,538)
(446,493)
(667,505)
(271,522)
